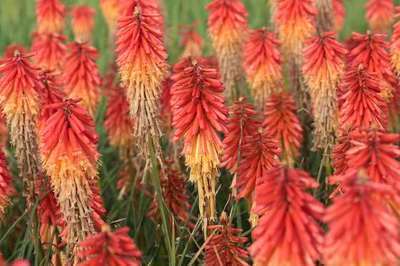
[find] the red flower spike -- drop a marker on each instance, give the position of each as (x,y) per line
(191,42)
(281,123)
(362,229)
(363,106)
(323,69)
(243,122)
(83,22)
(395,45)
(81,75)
(380,14)
(49,51)
(199,114)
(19,101)
(372,51)
(50,16)
(118,123)
(6,186)
(295,21)
(339,13)
(224,245)
(111,11)
(227,25)
(339,161)
(109,248)
(142,63)
(97,205)
(69,156)
(288,232)
(262,64)
(259,153)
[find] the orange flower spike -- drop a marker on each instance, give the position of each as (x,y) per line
(109,248)
(259,153)
(372,51)
(19,101)
(83,23)
(142,65)
(224,245)
(199,114)
(324,60)
(191,42)
(281,123)
(69,156)
(81,75)
(262,64)
(227,25)
(111,10)
(49,51)
(243,122)
(339,13)
(118,123)
(50,16)
(295,21)
(6,186)
(363,106)
(362,228)
(288,232)
(380,14)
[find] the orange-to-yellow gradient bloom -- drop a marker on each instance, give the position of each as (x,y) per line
(263,65)
(81,75)
(323,68)
(83,22)
(379,14)
(111,11)
(50,16)
(69,156)
(191,42)
(295,22)
(363,231)
(199,115)
(49,51)
(141,58)
(288,232)
(281,122)
(19,101)
(227,25)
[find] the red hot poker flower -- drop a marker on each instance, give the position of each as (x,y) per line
(339,13)
(141,58)
(363,106)
(6,186)
(109,248)
(295,20)
(111,10)
(288,232)
(395,45)
(83,23)
(49,50)
(262,64)
(191,41)
(199,114)
(69,156)
(10,50)
(323,69)
(243,122)
(380,14)
(281,122)
(259,153)
(227,24)
(50,16)
(224,245)
(372,51)
(81,75)
(362,229)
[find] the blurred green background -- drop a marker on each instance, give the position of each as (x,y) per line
(17,21)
